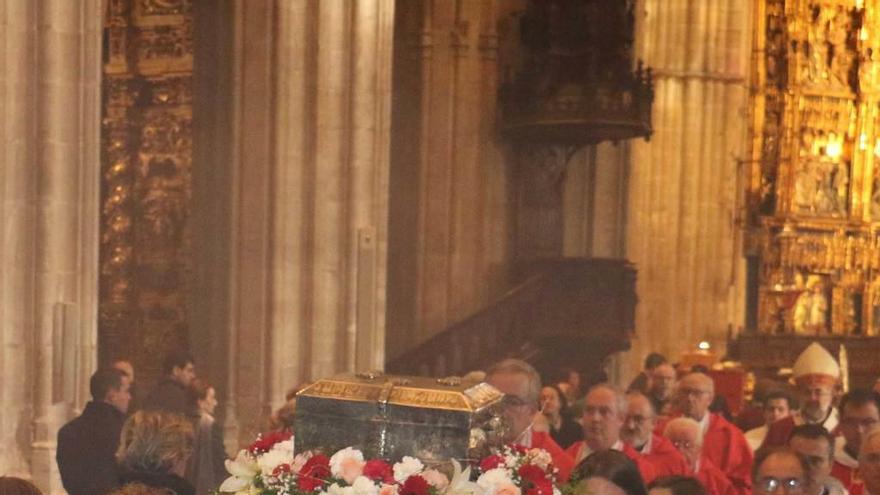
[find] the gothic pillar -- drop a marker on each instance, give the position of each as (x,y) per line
(304,193)
(50,96)
(449,223)
(683,198)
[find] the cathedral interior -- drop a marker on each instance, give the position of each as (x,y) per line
(289,189)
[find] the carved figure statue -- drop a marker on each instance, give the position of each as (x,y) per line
(818,49)
(811,308)
(838,31)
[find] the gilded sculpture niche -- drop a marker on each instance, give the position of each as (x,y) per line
(814,190)
(146,180)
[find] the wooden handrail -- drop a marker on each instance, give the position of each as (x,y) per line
(561,304)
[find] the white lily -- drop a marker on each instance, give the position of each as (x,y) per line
(461,483)
(243,469)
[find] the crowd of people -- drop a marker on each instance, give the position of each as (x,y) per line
(667,434)
(170,444)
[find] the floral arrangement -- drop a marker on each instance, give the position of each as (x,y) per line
(517,470)
(270,467)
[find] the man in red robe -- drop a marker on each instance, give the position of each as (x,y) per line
(638,432)
(521,386)
(604,411)
(869,460)
(723,443)
(816,445)
(815,373)
(687,437)
(860,412)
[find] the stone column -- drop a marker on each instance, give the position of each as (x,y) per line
(331,139)
(683,192)
(17,56)
(51,162)
(451,203)
(303,193)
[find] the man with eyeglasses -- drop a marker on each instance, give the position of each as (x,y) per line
(816,373)
(724,444)
(521,386)
(686,436)
(638,432)
(816,445)
(869,461)
(604,411)
(779,470)
(860,411)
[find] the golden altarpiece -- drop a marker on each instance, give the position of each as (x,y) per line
(813,181)
(145,259)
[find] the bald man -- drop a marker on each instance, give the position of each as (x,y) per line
(638,432)
(687,437)
(724,444)
(604,412)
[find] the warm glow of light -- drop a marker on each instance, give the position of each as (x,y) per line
(877,148)
(704,346)
(863,141)
(833,149)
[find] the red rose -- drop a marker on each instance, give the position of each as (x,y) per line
(266,441)
(379,470)
(415,485)
(281,469)
(491,462)
(535,480)
(532,473)
(314,473)
(518,448)
(543,488)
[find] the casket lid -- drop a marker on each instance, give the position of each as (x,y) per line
(413,391)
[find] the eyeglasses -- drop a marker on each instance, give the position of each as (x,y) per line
(639,420)
(788,485)
(692,392)
(603,411)
(683,444)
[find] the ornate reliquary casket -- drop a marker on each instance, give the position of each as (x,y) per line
(392,416)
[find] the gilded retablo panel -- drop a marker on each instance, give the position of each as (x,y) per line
(813,200)
(146,180)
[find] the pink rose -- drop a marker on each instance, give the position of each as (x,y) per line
(350,468)
(436,479)
(388,490)
(507,489)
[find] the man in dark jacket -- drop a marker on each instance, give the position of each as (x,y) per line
(87,445)
(171,393)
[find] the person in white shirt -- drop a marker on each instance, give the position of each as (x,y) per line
(777,405)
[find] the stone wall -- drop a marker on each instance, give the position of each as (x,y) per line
(50,55)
